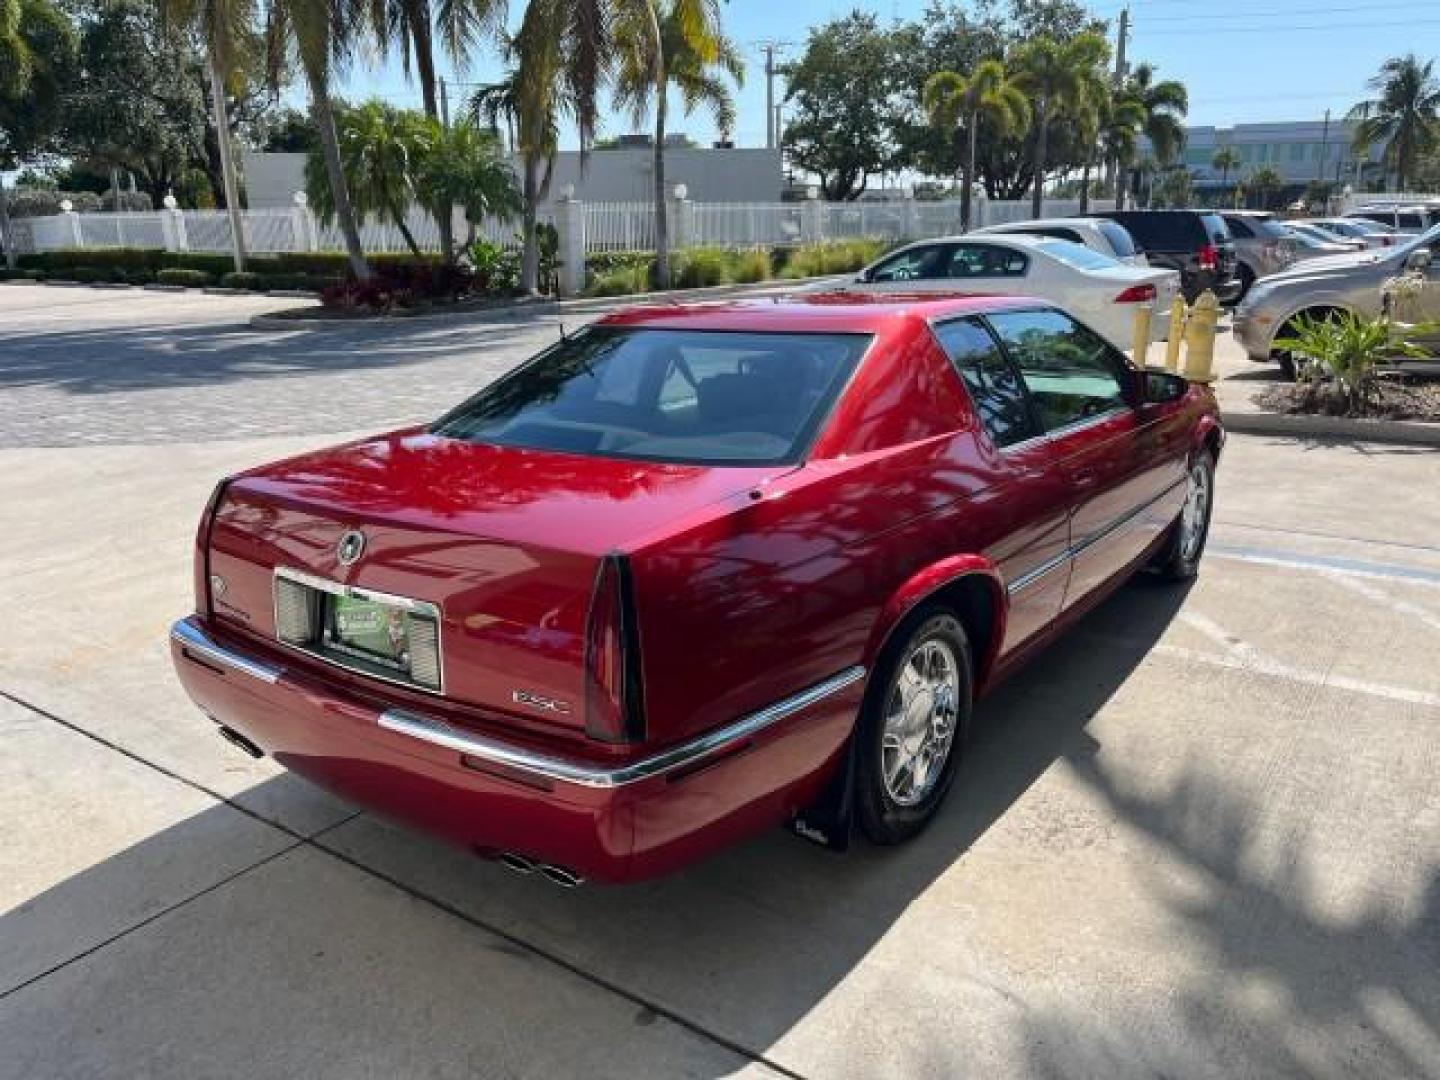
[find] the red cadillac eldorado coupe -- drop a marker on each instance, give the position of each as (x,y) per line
(692,572)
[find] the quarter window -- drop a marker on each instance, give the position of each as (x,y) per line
(985,260)
(1072,373)
(914,264)
(993,383)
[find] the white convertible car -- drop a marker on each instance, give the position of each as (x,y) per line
(1098,290)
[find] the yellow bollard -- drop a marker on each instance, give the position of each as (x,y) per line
(1141,345)
(1200,338)
(1177,331)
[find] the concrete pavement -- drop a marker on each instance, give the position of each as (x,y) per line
(1197,838)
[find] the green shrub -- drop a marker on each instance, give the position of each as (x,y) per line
(621,281)
(750,266)
(90,274)
(241,280)
(191,279)
(602,262)
(698,268)
(34,275)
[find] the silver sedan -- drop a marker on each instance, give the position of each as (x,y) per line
(1319,287)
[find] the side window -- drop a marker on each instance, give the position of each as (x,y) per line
(913,265)
(992,382)
(1072,373)
(1238,228)
(985,260)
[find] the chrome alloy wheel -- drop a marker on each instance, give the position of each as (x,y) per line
(1196,512)
(920,718)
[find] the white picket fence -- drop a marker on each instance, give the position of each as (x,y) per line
(616,226)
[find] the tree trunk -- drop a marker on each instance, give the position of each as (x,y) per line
(227,163)
(1085,186)
(1042,144)
(324,117)
(662,222)
(1120,171)
(966,188)
(530,251)
(418,15)
(7,233)
(397,214)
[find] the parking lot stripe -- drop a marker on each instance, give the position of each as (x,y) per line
(1332,563)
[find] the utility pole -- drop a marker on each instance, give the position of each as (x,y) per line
(772,127)
(1324,148)
(444,103)
(1122,40)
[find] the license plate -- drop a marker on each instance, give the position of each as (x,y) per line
(376,630)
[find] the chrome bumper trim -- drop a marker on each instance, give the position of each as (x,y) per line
(437,732)
(197,641)
(431,730)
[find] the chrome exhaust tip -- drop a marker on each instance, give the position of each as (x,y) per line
(234,738)
(559,875)
(516,862)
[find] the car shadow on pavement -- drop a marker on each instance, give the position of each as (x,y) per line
(741,949)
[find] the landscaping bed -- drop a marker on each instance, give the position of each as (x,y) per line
(1390,400)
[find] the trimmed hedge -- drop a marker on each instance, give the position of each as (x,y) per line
(191,279)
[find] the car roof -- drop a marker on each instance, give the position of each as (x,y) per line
(821,312)
(1021,226)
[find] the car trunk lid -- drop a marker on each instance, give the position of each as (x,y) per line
(504,544)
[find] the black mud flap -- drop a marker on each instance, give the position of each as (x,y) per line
(828,820)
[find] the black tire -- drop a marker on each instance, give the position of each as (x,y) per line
(1247,279)
(883,817)
(1287,365)
(1179,558)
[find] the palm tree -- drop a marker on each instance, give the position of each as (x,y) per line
(1405,116)
(321,35)
(679,43)
(413,25)
(228,28)
(1265,184)
(1225,159)
(379,150)
(463,165)
(1163,104)
(562,56)
(1121,118)
(493,101)
(958,103)
(1056,75)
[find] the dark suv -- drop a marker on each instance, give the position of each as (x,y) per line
(1196,243)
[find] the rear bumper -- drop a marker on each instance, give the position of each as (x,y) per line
(605,821)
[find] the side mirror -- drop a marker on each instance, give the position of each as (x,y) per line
(1160,387)
(864,277)
(1418,261)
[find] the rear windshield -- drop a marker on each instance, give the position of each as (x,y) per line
(1163,230)
(1119,237)
(1077,255)
(682,396)
(1215,228)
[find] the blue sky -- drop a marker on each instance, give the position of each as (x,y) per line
(1244,61)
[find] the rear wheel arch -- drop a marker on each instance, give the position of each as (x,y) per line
(969,586)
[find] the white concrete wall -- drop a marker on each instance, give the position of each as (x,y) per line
(741,175)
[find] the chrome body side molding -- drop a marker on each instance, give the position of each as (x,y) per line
(196,641)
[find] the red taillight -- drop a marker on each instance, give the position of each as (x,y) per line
(1209,257)
(204,584)
(1137,294)
(614,705)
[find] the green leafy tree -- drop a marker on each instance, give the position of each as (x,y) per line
(1226,159)
(665,44)
(960,104)
(228,30)
(844,96)
(1163,104)
(1405,115)
(1264,186)
(1058,77)
(463,165)
(37,56)
(320,36)
(378,144)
